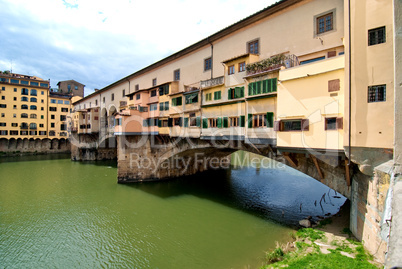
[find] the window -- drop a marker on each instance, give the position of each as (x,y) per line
(292,125)
(15,89)
(5,132)
(259,120)
(237,92)
(64,109)
(32,125)
(52,108)
(24,99)
(217,95)
(3,88)
(66,102)
(376,36)
(212,123)
(3,106)
(69,87)
(208,96)
(253,47)
(3,124)
(24,106)
(63,127)
(333,85)
(208,64)
(33,116)
(242,66)
(153,107)
(154,82)
(14,124)
(234,121)
(60,102)
(96,102)
(333,123)
(263,86)
(42,101)
(193,120)
(24,125)
(176,74)
(76,88)
(14,106)
(325,23)
(112,97)
(137,96)
(52,117)
(24,82)
(62,117)
(33,100)
(32,107)
(177,101)
(52,125)
(377,93)
(15,98)
(42,92)
(164,90)
(41,117)
(153,93)
(231,70)
(104,100)
(52,133)
(3,97)
(34,83)
(177,122)
(3,115)
(13,132)
(192,98)
(33,92)
(53,101)
(137,87)
(42,132)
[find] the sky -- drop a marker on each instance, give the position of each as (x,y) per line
(97,42)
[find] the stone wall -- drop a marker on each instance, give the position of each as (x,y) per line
(87,147)
(34,146)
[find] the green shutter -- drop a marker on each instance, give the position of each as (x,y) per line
(250,120)
(185,122)
(198,122)
(270,119)
(250,88)
(205,123)
(225,122)
(219,122)
(242,92)
(230,94)
(265,86)
(159,123)
(274,86)
(178,102)
(242,120)
(259,87)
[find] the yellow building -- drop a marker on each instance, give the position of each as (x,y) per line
(57,115)
(23,106)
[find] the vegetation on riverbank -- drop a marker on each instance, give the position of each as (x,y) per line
(317,249)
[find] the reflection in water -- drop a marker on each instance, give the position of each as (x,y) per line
(58,213)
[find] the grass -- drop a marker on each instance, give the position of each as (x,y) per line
(307,254)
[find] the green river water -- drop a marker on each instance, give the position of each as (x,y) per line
(55,213)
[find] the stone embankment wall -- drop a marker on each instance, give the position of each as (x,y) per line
(87,147)
(33,146)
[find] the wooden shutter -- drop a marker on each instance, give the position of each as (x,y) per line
(339,123)
(277,126)
(333,85)
(331,54)
(225,122)
(270,119)
(219,122)
(198,122)
(205,123)
(242,120)
(305,124)
(170,122)
(250,120)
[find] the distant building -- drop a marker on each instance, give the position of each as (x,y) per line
(29,109)
(71,87)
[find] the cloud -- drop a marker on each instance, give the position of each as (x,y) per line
(97,42)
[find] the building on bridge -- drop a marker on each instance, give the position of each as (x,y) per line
(311,80)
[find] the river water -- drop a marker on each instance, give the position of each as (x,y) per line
(55,213)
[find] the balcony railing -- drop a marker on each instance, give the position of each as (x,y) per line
(272,63)
(212,82)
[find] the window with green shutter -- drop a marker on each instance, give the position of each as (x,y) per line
(270,119)
(225,122)
(198,122)
(250,120)
(217,95)
(185,122)
(242,120)
(219,122)
(205,123)
(177,101)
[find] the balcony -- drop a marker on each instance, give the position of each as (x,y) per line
(212,82)
(271,64)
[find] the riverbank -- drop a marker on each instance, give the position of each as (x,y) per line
(328,245)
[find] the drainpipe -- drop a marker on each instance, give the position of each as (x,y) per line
(350,84)
(212,58)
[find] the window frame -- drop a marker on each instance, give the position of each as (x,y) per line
(242,67)
(323,15)
(251,46)
(375,89)
(231,69)
(208,64)
(376,38)
(176,75)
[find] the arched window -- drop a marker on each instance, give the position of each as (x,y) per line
(32,125)
(24,106)
(24,115)
(24,125)
(33,99)
(24,99)
(33,107)
(32,116)
(52,133)
(33,92)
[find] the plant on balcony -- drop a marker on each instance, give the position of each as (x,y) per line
(266,64)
